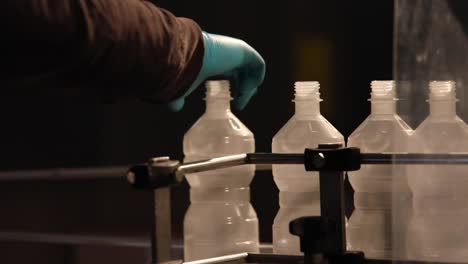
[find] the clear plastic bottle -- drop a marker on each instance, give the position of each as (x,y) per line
(371,226)
(299,190)
(220,219)
(439,229)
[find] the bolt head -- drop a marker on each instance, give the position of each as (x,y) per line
(159,159)
(319,160)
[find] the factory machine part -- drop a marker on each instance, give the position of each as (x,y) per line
(430,40)
(323,238)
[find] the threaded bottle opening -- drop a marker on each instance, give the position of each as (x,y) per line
(382,90)
(307,90)
(218,89)
(442,90)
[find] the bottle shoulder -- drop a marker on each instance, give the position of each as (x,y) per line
(210,137)
(299,133)
(375,130)
(446,126)
(381,135)
(441,135)
(214,126)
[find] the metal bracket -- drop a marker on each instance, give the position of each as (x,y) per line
(330,160)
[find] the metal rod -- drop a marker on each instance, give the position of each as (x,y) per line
(222,259)
(73,239)
(413,158)
(162,225)
(65,174)
(332,206)
(275,158)
(240,159)
(212,164)
(298,158)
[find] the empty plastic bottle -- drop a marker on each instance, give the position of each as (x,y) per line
(439,229)
(371,226)
(220,219)
(299,190)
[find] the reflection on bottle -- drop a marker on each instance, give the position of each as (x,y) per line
(220,219)
(299,190)
(438,228)
(375,227)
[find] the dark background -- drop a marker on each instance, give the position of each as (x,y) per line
(342,44)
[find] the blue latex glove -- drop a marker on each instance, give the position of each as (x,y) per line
(231,59)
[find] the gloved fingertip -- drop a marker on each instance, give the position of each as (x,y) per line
(239,105)
(176,105)
(242,100)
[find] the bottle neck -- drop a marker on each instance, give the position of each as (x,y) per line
(383,107)
(218,106)
(442,107)
(307,107)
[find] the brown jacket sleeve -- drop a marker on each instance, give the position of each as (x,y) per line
(110,48)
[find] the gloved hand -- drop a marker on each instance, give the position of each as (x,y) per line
(231,59)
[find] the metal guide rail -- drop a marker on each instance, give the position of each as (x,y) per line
(322,238)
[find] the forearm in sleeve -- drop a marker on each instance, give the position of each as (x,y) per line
(111,48)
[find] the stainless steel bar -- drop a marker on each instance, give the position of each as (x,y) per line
(332,206)
(163,235)
(275,158)
(298,158)
(161,172)
(234,258)
(240,159)
(74,239)
(65,174)
(413,158)
(212,164)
